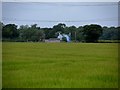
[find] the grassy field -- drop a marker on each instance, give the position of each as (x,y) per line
(60,65)
(0,65)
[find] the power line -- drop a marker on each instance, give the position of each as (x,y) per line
(90,4)
(89,20)
(71,4)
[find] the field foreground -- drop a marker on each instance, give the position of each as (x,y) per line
(60,65)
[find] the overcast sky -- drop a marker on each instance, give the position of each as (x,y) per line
(49,14)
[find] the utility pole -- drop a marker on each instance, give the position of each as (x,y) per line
(44,37)
(75,36)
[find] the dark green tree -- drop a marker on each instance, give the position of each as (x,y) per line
(72,30)
(10,31)
(1,26)
(92,32)
(48,32)
(110,33)
(39,35)
(22,32)
(32,33)
(58,28)
(79,34)
(118,28)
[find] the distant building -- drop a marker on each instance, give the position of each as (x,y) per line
(61,36)
(52,40)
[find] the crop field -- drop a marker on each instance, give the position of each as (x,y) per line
(0,64)
(59,65)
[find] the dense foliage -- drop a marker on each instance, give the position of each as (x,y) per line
(92,32)
(87,33)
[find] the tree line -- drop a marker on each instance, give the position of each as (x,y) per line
(86,33)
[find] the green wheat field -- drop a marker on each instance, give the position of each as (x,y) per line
(59,65)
